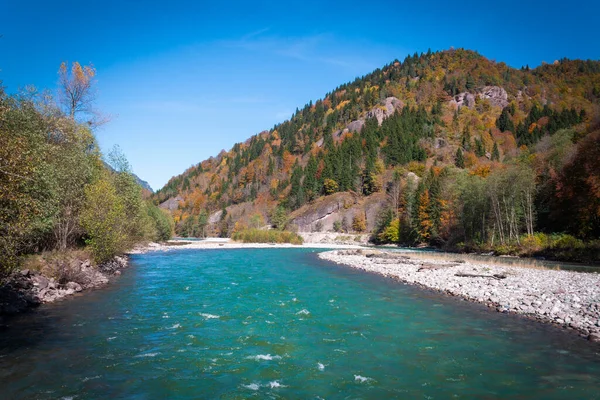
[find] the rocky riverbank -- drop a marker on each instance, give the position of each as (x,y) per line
(564,298)
(27,288)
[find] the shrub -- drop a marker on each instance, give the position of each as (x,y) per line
(358,223)
(391,233)
(266,236)
(337,226)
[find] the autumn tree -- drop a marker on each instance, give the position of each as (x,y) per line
(77,93)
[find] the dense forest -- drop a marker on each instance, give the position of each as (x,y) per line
(471,154)
(57,191)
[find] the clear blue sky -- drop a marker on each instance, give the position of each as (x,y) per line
(185,79)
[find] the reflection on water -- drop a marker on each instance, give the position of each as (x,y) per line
(280,323)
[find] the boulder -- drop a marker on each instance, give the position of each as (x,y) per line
(594,337)
(40,281)
(76,287)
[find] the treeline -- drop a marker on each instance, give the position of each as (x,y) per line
(55,191)
(541,202)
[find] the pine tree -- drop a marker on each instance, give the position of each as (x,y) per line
(479,148)
(470,84)
(466,139)
(459,160)
(504,123)
(495,153)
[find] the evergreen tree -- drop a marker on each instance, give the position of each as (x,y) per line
(504,123)
(479,148)
(459,160)
(495,153)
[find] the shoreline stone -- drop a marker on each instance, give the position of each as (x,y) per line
(27,289)
(570,300)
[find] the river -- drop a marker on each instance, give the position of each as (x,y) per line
(280,323)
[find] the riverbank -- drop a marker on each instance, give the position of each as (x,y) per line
(567,299)
(218,243)
(29,288)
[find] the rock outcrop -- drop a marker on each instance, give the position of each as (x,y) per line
(325,211)
(172,203)
(390,105)
(496,95)
(379,112)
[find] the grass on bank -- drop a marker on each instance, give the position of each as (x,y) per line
(64,266)
(266,236)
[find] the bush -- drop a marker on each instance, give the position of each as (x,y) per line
(358,223)
(266,236)
(391,233)
(337,226)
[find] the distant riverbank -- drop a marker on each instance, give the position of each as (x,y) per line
(564,298)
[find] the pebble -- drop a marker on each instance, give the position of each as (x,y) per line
(567,298)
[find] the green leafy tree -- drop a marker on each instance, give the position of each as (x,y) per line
(103,219)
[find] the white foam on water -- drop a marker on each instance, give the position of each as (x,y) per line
(252,386)
(264,357)
(191,336)
(90,378)
(234,283)
(174,326)
(209,316)
(111,338)
(340,350)
(294,299)
(362,379)
(320,366)
(303,311)
(275,384)
(332,301)
(269,322)
(187,288)
(147,355)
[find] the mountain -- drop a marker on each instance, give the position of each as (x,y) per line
(145,185)
(442,148)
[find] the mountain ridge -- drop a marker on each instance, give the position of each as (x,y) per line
(414,115)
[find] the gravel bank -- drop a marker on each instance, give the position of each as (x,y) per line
(565,298)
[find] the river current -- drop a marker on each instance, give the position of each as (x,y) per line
(280,323)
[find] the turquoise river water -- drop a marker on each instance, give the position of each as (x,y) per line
(280,323)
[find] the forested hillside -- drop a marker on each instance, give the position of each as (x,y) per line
(446,148)
(56,193)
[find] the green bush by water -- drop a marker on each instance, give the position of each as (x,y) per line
(266,236)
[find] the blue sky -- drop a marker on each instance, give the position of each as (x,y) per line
(184,79)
